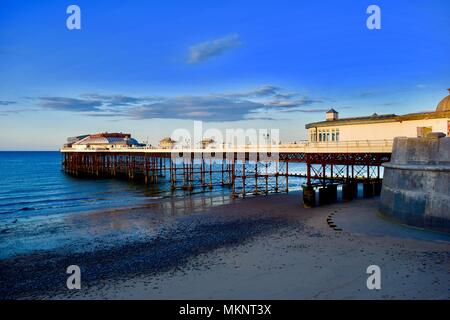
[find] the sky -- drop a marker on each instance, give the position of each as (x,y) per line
(151,67)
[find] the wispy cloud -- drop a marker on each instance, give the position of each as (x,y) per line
(13,111)
(207,108)
(118,100)
(306,110)
(224,107)
(6,103)
(259,92)
(70,104)
(299,102)
(263,101)
(208,49)
(284,95)
(6,106)
(366,94)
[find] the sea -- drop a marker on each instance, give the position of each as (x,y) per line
(33,183)
(42,208)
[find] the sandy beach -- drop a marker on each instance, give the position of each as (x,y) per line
(265,247)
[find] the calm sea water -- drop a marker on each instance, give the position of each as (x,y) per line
(32,183)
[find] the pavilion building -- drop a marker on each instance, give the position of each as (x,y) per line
(381,127)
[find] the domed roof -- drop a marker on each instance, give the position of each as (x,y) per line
(93,140)
(444,105)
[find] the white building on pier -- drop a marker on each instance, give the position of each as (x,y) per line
(102,141)
(381,127)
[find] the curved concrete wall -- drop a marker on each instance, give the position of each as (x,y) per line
(416,183)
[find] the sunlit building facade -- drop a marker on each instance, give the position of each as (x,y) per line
(380,127)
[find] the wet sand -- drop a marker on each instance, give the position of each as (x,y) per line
(257,248)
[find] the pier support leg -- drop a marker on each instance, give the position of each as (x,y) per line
(276,176)
(222,171)
(377,188)
(210,174)
(202,172)
(348,191)
(287,176)
(233,179)
(173,175)
(243,179)
(256,191)
(309,196)
(323,196)
(354,186)
(267,178)
(367,189)
(332,193)
(145,171)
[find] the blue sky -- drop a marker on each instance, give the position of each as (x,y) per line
(149,67)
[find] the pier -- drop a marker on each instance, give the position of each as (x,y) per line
(244,169)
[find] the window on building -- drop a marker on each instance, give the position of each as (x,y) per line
(324,135)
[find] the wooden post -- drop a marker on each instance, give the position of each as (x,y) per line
(171,175)
(276,175)
(243,178)
(267,177)
(308,169)
(287,176)
(324,173)
(256,178)
(222,171)
(210,174)
(233,179)
(146,170)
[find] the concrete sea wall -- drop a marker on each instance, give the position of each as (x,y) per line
(416,183)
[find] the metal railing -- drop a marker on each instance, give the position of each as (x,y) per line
(342,146)
(305,147)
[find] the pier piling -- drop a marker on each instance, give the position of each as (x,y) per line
(244,174)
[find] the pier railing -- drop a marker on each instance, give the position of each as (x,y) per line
(356,146)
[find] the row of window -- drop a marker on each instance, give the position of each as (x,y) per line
(323,135)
